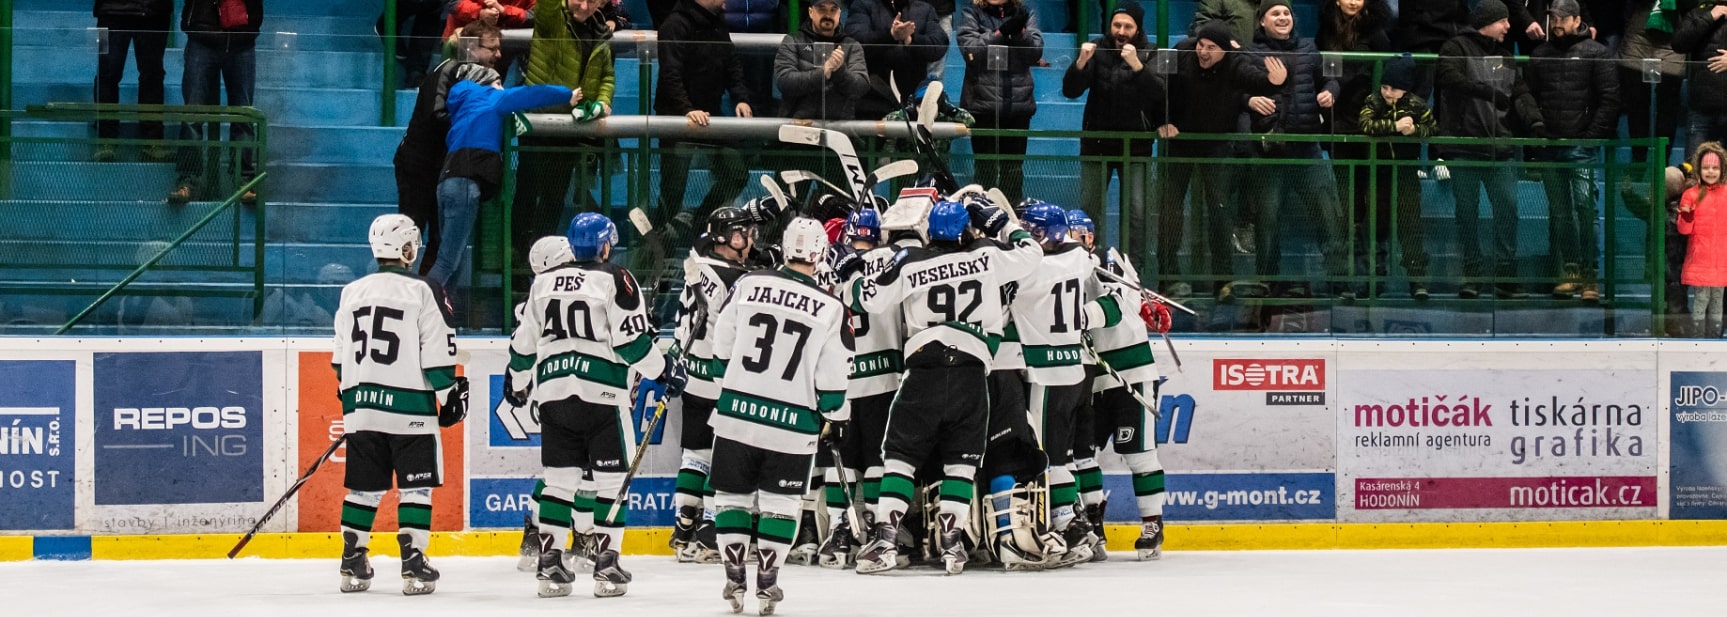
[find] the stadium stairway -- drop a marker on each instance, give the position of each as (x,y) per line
(329,161)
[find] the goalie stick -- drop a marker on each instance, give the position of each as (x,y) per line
(840,145)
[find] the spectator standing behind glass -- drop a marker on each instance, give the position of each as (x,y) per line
(1353,26)
(757,17)
(419,24)
(1000,43)
(1237,15)
(698,66)
(419,157)
(474,168)
(1703,217)
(1301,106)
(1574,83)
(143,26)
(820,71)
(1483,97)
(1649,34)
(1424,25)
(1703,35)
(220,55)
(1396,112)
(571,48)
(1125,96)
(900,39)
(1213,78)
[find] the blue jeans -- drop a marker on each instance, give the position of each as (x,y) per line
(210,71)
(1571,207)
(1500,181)
(1703,126)
(458,205)
(148,36)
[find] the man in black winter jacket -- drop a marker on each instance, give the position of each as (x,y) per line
(1481,96)
(819,70)
(900,39)
(1576,85)
(220,57)
(1126,96)
(1303,105)
(698,67)
(419,159)
(1702,35)
(1213,77)
(142,25)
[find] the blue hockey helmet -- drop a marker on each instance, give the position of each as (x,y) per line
(948,220)
(864,224)
(590,233)
(1078,219)
(1046,221)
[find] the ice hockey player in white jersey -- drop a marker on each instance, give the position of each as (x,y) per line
(949,296)
(720,256)
(546,253)
(395,357)
(1053,310)
(583,331)
(875,372)
(785,347)
(1125,348)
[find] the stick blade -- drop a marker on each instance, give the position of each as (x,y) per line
(639,220)
(799,134)
(927,108)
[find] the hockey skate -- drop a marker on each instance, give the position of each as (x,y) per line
(418,576)
(952,544)
(768,592)
(882,553)
(684,529)
(735,587)
(705,549)
(1079,540)
(554,575)
(530,548)
(836,552)
(610,579)
(1099,549)
(580,557)
(1150,542)
(356,568)
(804,546)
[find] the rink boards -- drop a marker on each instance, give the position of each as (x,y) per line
(164,448)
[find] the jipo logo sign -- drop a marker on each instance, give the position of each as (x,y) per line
(1285,381)
(510,426)
(37,445)
(175,428)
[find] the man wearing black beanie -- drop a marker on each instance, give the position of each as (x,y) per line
(1484,99)
(1126,95)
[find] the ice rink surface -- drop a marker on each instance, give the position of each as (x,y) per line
(1451,583)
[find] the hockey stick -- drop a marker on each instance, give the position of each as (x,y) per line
(796,176)
(836,142)
(1148,293)
(858,532)
(246,539)
(636,461)
(639,219)
(891,170)
(1086,340)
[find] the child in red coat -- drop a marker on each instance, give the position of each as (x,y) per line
(1703,216)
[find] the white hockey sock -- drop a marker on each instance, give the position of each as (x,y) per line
(1147,482)
(558,502)
(414,514)
(359,509)
(609,517)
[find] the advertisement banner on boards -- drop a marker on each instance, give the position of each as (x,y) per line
(1490,431)
(502,503)
(178,428)
(321,424)
(38,445)
(1698,461)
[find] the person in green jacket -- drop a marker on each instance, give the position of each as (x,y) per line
(571,48)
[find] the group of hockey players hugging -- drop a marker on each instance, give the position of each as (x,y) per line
(884,363)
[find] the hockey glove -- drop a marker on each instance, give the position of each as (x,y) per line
(675,378)
(845,263)
(834,433)
(1015,26)
(1156,316)
(989,219)
(455,405)
(516,398)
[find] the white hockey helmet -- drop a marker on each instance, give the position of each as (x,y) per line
(805,240)
(549,252)
(391,236)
